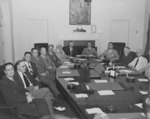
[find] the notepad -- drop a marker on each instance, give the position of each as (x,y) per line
(100,81)
(81,95)
(66,72)
(63,67)
(68,79)
(81,59)
(106,92)
(125,71)
(75,83)
(139,105)
(96,111)
(143,92)
(143,80)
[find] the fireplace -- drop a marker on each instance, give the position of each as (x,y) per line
(82,39)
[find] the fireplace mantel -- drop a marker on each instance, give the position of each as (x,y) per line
(82,36)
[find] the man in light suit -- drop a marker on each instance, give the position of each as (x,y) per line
(89,50)
(44,74)
(14,94)
(51,68)
(53,56)
(140,62)
(110,54)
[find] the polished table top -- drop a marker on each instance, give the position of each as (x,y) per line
(123,100)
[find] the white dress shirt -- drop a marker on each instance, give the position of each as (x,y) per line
(22,78)
(141,63)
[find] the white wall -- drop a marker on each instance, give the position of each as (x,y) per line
(7,29)
(56,12)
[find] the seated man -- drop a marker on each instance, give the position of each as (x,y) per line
(110,54)
(15,95)
(147,71)
(140,62)
(30,67)
(53,56)
(51,68)
(28,83)
(71,50)
(60,53)
(89,50)
(43,73)
(127,57)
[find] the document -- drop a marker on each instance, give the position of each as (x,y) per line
(144,92)
(75,83)
(66,72)
(68,79)
(139,105)
(100,81)
(106,92)
(63,67)
(82,59)
(143,80)
(81,95)
(125,71)
(96,110)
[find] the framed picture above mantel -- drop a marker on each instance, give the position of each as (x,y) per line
(79,12)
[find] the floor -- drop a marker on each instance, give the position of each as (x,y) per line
(6,113)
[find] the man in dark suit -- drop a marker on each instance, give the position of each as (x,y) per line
(28,83)
(30,67)
(15,95)
(31,70)
(71,50)
(53,56)
(127,57)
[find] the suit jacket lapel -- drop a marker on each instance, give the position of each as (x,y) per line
(18,79)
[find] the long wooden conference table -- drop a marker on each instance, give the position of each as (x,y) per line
(89,94)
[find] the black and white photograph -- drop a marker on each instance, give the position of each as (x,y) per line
(74,59)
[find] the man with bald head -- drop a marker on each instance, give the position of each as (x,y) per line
(127,57)
(140,62)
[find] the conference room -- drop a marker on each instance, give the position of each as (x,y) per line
(74,59)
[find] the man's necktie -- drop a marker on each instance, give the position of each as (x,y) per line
(26,80)
(136,62)
(30,69)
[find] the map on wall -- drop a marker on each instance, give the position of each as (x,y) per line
(80,12)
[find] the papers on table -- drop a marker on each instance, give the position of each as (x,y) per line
(82,59)
(107,71)
(68,79)
(125,71)
(81,95)
(100,81)
(143,80)
(75,83)
(66,72)
(106,92)
(63,67)
(96,111)
(143,92)
(119,67)
(139,105)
